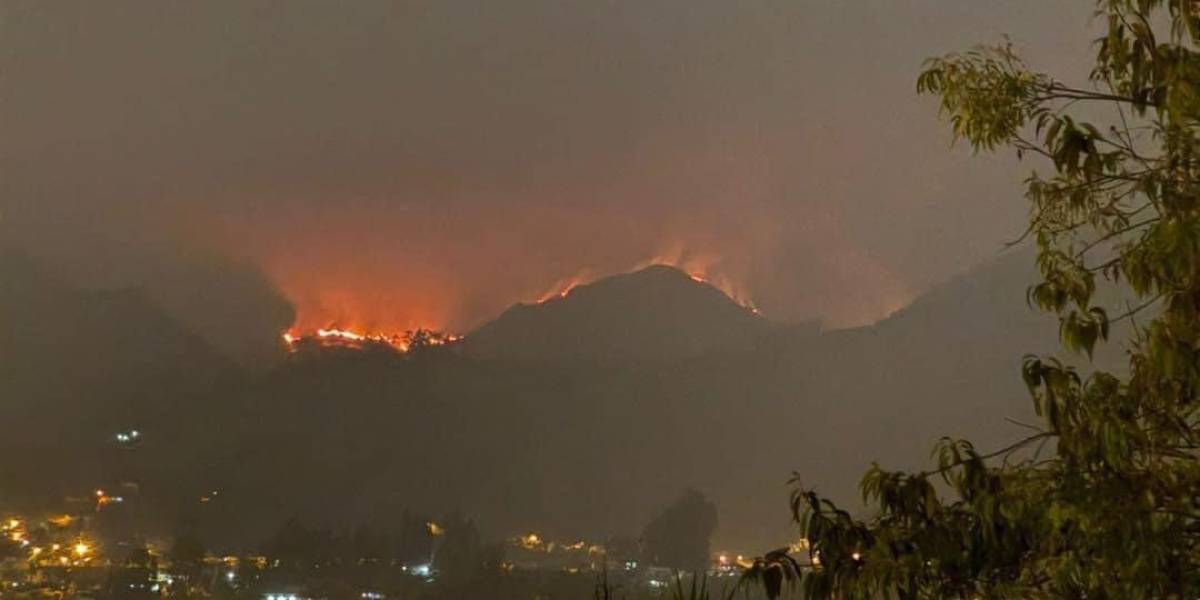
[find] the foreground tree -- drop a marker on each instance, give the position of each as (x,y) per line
(187,558)
(1103,499)
(679,536)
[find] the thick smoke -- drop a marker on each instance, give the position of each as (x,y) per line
(401,164)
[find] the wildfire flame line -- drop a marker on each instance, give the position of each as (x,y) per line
(697,270)
(335,337)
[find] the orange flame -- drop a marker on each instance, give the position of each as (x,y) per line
(332,337)
(702,269)
(562,288)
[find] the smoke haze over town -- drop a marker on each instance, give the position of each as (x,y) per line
(427,300)
(392,165)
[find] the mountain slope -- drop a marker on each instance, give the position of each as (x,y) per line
(78,365)
(590,446)
(594,447)
(657,313)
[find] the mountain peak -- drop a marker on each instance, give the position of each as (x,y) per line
(658,312)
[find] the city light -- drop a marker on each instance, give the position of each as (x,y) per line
(82,549)
(531,541)
(126,437)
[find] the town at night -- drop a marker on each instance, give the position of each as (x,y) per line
(600,300)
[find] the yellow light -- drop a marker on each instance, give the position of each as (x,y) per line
(81,549)
(62,521)
(35,551)
(531,541)
(63,560)
(435,530)
(100,493)
(55,547)
(13,523)
(16,536)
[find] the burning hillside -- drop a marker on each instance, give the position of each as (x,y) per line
(701,269)
(658,312)
(350,313)
(334,338)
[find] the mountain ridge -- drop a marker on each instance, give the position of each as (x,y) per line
(655,313)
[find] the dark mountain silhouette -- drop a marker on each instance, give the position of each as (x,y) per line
(593,446)
(527,441)
(657,313)
(76,366)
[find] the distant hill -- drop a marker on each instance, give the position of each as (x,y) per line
(594,446)
(580,416)
(657,313)
(76,366)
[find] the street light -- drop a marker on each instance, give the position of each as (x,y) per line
(129,437)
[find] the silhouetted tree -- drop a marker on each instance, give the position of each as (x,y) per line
(421,341)
(366,544)
(414,543)
(679,536)
(1099,500)
(458,552)
(187,557)
(297,546)
(135,578)
(187,549)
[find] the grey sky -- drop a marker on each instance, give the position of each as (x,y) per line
(429,163)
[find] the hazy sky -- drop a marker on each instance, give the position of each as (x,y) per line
(394,164)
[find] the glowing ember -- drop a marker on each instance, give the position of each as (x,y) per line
(700,271)
(563,287)
(332,337)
